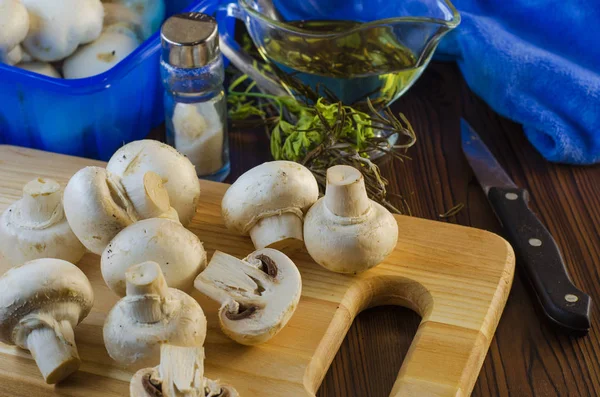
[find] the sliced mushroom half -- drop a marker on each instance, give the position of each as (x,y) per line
(258,294)
(180,374)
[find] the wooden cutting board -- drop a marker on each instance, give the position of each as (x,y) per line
(457,278)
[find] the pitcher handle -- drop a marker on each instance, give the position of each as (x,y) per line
(226,16)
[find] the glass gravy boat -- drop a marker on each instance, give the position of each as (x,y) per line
(352,48)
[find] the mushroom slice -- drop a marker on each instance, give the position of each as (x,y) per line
(99,204)
(178,251)
(151,314)
(177,172)
(258,294)
(180,374)
(35,227)
(41,301)
(269,201)
(345,231)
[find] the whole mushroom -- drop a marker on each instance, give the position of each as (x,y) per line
(41,301)
(345,231)
(98,204)
(269,202)
(35,227)
(258,294)
(151,314)
(177,172)
(151,14)
(178,252)
(14,25)
(180,374)
(115,13)
(114,44)
(58,27)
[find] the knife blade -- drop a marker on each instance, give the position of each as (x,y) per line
(535,248)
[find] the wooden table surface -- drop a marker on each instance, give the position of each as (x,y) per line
(528,357)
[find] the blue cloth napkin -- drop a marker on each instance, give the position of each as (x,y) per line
(538,63)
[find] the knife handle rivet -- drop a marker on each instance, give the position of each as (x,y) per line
(511,196)
(571,298)
(535,242)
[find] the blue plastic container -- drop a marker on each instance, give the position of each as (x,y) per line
(89,117)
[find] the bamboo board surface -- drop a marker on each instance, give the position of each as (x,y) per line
(457,278)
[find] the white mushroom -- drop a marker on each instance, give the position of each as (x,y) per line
(180,374)
(40,68)
(114,44)
(176,170)
(151,314)
(35,227)
(115,13)
(58,27)
(41,302)
(14,25)
(345,231)
(151,13)
(178,251)
(199,134)
(98,204)
(258,294)
(269,201)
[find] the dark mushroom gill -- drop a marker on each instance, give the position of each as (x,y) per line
(268,265)
(152,386)
(242,313)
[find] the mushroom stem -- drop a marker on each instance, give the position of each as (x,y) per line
(346,195)
(146,282)
(149,198)
(279,232)
(41,197)
(181,370)
(54,351)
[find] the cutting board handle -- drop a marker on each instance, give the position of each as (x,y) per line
(436,360)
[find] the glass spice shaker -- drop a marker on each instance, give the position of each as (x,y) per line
(195,105)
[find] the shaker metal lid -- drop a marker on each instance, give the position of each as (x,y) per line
(190,40)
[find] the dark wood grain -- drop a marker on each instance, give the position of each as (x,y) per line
(528,357)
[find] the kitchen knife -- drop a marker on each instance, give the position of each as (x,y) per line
(534,246)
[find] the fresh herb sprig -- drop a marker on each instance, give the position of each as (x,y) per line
(324,132)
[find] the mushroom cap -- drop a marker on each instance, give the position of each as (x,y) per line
(35,227)
(137,387)
(39,284)
(257,301)
(130,342)
(57,28)
(21,244)
(14,24)
(272,188)
(114,44)
(178,252)
(177,171)
(349,245)
(96,208)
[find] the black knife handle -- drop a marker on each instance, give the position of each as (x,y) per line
(540,257)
